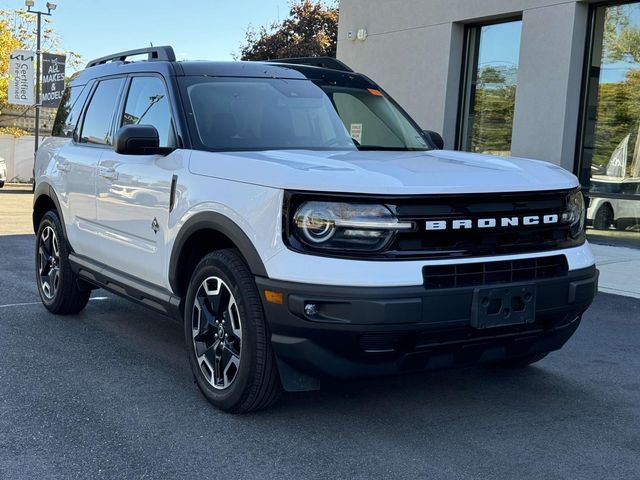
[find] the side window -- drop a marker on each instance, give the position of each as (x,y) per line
(96,128)
(148,104)
(69,110)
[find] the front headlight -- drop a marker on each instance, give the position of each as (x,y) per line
(345,226)
(575,213)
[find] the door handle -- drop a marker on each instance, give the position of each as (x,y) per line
(64,167)
(108,173)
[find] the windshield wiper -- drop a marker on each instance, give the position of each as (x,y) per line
(370,148)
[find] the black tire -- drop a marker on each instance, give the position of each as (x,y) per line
(66,294)
(603,218)
(521,362)
(255,384)
(1,183)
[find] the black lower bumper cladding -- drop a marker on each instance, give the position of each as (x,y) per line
(349,332)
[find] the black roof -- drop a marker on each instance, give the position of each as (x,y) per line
(161,60)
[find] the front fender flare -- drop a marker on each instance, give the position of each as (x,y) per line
(224,225)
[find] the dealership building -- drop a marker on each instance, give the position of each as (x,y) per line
(555,80)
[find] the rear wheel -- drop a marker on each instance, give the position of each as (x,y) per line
(227,338)
(603,218)
(61,291)
(521,362)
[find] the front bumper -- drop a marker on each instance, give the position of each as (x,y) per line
(370,331)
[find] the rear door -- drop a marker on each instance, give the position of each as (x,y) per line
(133,190)
(78,160)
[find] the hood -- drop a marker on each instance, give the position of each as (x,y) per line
(393,173)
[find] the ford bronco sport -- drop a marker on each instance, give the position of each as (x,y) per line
(300,225)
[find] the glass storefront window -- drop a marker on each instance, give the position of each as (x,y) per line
(489,94)
(610,161)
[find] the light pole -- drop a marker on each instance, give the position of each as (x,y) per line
(50,7)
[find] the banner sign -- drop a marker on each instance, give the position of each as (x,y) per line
(52,79)
(617,166)
(21,91)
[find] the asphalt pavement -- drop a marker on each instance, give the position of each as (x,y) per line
(108,394)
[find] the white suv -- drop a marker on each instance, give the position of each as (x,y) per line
(300,225)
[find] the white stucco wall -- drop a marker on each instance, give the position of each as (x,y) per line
(18,153)
(414,49)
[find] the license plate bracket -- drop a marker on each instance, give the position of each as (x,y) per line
(503,306)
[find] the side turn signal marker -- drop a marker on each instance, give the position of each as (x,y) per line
(375,92)
(274,297)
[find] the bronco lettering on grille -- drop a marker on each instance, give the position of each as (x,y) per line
(502,222)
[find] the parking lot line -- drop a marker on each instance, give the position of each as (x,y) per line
(39,303)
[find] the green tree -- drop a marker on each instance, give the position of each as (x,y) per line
(495,98)
(621,36)
(310,30)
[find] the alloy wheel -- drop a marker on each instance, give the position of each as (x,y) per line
(49,262)
(216,329)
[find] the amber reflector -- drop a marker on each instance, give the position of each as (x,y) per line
(274,297)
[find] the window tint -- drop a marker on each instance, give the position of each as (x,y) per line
(148,104)
(264,114)
(96,127)
(69,110)
(371,121)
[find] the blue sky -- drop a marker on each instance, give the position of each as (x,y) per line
(500,44)
(205,29)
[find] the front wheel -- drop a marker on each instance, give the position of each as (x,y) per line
(226,335)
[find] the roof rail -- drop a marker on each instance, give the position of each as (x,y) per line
(153,54)
(323,62)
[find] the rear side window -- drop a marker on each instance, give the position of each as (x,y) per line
(96,128)
(148,104)
(69,111)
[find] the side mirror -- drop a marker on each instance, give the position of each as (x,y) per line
(436,138)
(139,140)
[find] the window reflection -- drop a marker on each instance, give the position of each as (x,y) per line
(611,150)
(489,94)
(147,104)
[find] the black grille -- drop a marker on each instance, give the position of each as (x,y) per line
(420,243)
(491,273)
(424,243)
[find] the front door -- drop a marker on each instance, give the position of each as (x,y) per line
(133,191)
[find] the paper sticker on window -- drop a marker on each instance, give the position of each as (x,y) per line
(356,132)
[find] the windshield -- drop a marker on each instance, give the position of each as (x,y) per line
(279,114)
